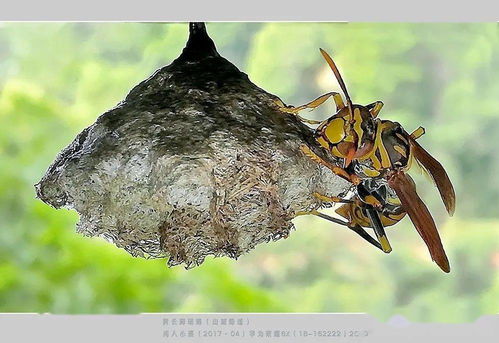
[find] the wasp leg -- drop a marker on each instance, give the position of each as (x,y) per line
(418,132)
(335,169)
(338,100)
(355,228)
(326,198)
(362,233)
(311,105)
(308,121)
(294,110)
(379,230)
(375,108)
(322,215)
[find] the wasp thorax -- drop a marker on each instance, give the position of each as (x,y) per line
(395,143)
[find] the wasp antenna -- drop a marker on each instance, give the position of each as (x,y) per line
(337,74)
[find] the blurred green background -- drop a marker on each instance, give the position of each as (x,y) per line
(56,78)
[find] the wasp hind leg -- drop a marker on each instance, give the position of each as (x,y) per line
(379,229)
(326,198)
(362,233)
(355,228)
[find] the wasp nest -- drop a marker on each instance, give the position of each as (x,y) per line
(196,161)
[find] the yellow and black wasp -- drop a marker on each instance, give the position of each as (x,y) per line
(372,148)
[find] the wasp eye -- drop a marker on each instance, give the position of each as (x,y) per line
(335,130)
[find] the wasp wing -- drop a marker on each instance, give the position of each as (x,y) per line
(420,217)
(433,168)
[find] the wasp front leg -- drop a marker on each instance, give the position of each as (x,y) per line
(311,105)
(335,169)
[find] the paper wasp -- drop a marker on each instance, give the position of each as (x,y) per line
(372,148)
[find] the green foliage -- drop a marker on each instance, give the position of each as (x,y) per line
(55,79)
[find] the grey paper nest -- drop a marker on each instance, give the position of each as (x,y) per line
(196,161)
